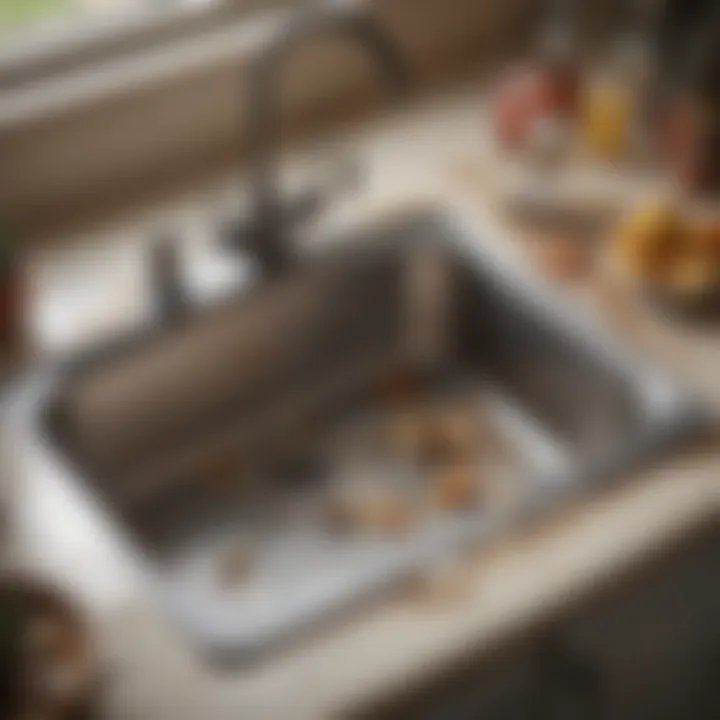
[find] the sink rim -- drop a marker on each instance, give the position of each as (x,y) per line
(677,418)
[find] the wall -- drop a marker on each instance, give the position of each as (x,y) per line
(182,118)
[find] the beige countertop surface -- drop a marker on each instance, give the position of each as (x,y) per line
(438,153)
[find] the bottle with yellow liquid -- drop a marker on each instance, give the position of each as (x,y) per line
(611,105)
(607,110)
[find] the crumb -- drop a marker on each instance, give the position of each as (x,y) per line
(339,517)
(457,488)
(432,435)
(406,433)
(235,565)
(451,432)
(375,512)
(389,516)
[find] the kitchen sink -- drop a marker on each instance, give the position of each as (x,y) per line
(202,435)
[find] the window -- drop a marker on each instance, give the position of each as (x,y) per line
(24,16)
(45,38)
(18,14)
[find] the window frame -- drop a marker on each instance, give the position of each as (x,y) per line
(66,47)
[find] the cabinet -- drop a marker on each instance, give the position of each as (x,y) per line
(653,650)
(649,650)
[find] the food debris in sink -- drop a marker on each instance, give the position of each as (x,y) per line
(414,459)
(430,435)
(236,564)
(458,488)
(384,472)
(358,495)
(375,510)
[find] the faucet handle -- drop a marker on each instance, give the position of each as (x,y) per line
(271,244)
(297,209)
(344,175)
(166,279)
(240,234)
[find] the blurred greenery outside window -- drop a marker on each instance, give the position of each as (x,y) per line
(20,14)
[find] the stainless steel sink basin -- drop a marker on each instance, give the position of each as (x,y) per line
(183,433)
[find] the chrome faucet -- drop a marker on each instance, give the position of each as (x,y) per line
(267,235)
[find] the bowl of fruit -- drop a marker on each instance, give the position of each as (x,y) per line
(672,255)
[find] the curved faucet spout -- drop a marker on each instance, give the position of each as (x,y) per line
(270,233)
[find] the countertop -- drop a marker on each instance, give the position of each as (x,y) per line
(438,153)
